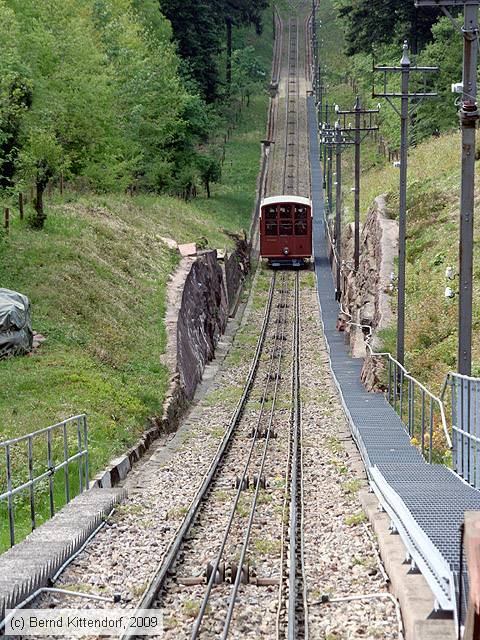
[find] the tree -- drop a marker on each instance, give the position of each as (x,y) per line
(70,123)
(210,171)
(248,73)
(41,157)
(241,12)
(202,29)
(198,31)
(15,94)
(372,22)
(446,52)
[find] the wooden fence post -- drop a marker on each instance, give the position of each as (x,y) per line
(61,183)
(6,219)
(20,205)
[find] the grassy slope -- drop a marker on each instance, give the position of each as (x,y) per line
(433,227)
(432,245)
(96,278)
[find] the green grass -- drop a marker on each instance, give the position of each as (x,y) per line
(355,519)
(96,277)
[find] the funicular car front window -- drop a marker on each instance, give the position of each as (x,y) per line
(300,212)
(271,229)
(286,229)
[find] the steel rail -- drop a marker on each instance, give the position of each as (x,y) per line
(278,338)
(274,102)
(297,611)
(287,104)
(295,187)
(243,553)
(170,556)
(284,537)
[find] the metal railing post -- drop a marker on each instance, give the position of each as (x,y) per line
(9,499)
(80,460)
(430,433)
(32,487)
(65,459)
(51,470)
(423,423)
(85,437)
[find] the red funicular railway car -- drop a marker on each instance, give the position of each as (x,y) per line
(286,230)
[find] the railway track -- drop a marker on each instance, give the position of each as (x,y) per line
(262,444)
(291,156)
(288,170)
(239,549)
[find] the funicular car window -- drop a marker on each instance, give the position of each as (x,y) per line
(301,228)
(271,213)
(271,229)
(285,212)
(286,229)
(300,212)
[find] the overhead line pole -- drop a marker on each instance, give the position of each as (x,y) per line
(405,69)
(468,120)
(338,208)
(357,135)
(333,137)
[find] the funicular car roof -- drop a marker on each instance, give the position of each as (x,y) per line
(286,200)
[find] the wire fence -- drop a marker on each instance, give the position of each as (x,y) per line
(39,473)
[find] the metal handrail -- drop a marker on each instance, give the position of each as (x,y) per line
(406,375)
(399,368)
(52,437)
(465,411)
(34,434)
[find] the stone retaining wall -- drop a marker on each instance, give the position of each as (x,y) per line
(201,321)
(237,265)
(367,295)
(198,307)
(200,298)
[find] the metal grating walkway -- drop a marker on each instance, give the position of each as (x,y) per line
(426,503)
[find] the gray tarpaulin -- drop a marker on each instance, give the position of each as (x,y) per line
(15,324)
